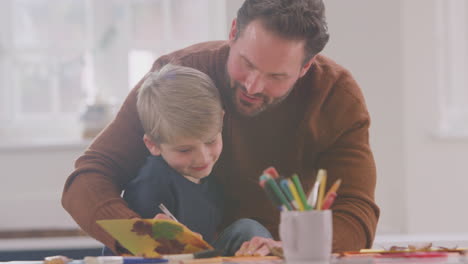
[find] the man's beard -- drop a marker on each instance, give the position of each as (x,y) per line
(248,109)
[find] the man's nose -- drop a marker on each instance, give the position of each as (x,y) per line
(254,83)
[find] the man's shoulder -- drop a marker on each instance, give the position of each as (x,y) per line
(334,80)
(203,47)
(329,69)
(196,54)
(334,99)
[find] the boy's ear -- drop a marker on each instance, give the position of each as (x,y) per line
(151,146)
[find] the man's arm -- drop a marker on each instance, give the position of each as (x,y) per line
(92,192)
(348,156)
(355,214)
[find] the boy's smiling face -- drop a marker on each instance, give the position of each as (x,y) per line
(192,158)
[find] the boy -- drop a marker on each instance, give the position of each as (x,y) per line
(182,116)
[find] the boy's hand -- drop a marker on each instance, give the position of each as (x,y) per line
(163,216)
(258,246)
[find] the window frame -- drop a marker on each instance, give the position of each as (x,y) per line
(109,70)
(14,124)
(452,68)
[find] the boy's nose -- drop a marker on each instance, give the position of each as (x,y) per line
(203,156)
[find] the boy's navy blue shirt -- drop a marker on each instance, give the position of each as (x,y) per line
(198,206)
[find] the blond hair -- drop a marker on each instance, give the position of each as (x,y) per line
(179,102)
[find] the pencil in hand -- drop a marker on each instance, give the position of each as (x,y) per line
(167,212)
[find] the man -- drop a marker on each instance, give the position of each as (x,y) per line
(286,106)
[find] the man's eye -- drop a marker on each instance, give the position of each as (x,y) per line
(249,65)
(277,77)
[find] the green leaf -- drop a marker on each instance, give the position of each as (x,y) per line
(166,230)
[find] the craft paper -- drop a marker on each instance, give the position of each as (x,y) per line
(154,237)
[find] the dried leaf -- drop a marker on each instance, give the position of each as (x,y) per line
(277,251)
(142,228)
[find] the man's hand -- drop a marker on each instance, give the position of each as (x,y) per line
(258,246)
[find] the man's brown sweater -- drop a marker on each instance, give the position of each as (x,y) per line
(323,123)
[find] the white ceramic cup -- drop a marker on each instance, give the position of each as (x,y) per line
(306,235)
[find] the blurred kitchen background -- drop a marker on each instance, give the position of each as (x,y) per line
(67,65)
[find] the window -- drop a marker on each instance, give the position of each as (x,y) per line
(57,55)
(41,62)
(452,33)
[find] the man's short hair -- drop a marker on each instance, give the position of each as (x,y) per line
(179,102)
(291,19)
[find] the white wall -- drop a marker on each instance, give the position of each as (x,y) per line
(436,170)
(32,181)
(365,37)
(390,48)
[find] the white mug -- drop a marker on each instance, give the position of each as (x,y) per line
(306,235)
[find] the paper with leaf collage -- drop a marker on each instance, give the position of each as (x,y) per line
(154,237)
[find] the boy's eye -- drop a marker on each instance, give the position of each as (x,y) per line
(211,142)
(184,150)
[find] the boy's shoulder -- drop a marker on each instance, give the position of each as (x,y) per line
(155,168)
